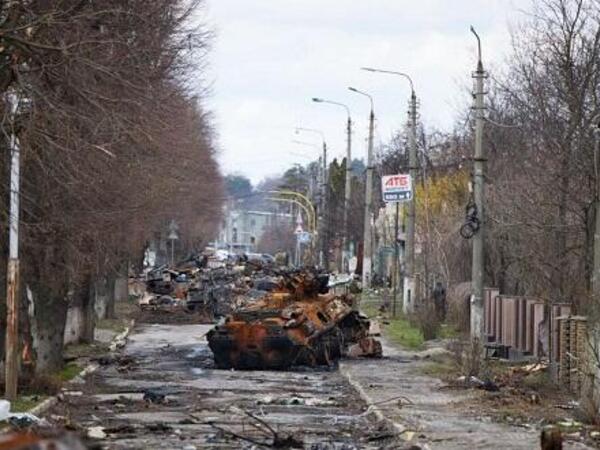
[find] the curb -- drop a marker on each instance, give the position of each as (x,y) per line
(117,342)
(121,339)
(44,406)
(372,408)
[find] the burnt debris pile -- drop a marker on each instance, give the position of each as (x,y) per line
(269,317)
(205,288)
(298,321)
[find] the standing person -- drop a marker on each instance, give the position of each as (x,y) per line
(439,300)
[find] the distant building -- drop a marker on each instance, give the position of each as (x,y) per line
(242,230)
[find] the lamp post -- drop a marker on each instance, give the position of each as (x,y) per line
(477,290)
(348,183)
(323,202)
(367,246)
(409,257)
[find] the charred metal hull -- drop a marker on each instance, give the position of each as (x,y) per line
(285,329)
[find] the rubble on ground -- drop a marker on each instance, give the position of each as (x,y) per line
(271,317)
(207,290)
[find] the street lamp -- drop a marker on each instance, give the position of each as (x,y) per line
(409,258)
(348,183)
(322,206)
(367,248)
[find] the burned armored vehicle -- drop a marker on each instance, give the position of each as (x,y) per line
(298,323)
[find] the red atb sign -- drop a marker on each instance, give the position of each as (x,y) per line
(396,188)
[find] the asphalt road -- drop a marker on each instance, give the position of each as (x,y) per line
(208,408)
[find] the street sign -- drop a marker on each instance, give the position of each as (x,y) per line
(304,237)
(396,188)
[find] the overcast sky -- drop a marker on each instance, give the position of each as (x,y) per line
(270,57)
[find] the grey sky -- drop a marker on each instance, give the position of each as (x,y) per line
(270,57)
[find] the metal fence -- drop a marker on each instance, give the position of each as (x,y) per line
(524,324)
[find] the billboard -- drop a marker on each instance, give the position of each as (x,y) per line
(396,188)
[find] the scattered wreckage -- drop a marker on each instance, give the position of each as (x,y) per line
(270,317)
(210,292)
(299,322)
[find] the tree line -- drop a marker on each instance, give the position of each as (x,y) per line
(542,109)
(115,143)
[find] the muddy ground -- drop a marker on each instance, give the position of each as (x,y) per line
(435,413)
(208,408)
(163,391)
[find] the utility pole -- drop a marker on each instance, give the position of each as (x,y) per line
(409,253)
(347,188)
(368,247)
(347,193)
(12,277)
(409,276)
(396,259)
(323,260)
(323,193)
(478,193)
(596,269)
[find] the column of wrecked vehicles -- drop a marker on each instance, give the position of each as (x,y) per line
(267,317)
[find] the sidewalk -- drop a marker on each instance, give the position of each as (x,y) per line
(423,412)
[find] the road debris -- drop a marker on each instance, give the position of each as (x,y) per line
(153,396)
(46,440)
(266,436)
(366,347)
(96,433)
(551,439)
(205,291)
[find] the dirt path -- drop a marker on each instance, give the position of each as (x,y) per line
(317,408)
(428,413)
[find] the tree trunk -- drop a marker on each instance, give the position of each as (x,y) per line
(89,312)
(110,297)
(82,313)
(48,329)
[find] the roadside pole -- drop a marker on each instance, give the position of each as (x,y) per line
(396,189)
(323,260)
(12,277)
(478,192)
(319,249)
(347,193)
(395,274)
(409,277)
(409,254)
(343,261)
(367,246)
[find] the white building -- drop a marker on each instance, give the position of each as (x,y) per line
(241,230)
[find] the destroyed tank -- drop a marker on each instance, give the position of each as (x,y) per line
(298,323)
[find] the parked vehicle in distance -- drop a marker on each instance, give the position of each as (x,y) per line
(264,258)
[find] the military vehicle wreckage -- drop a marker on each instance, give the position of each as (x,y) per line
(299,322)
